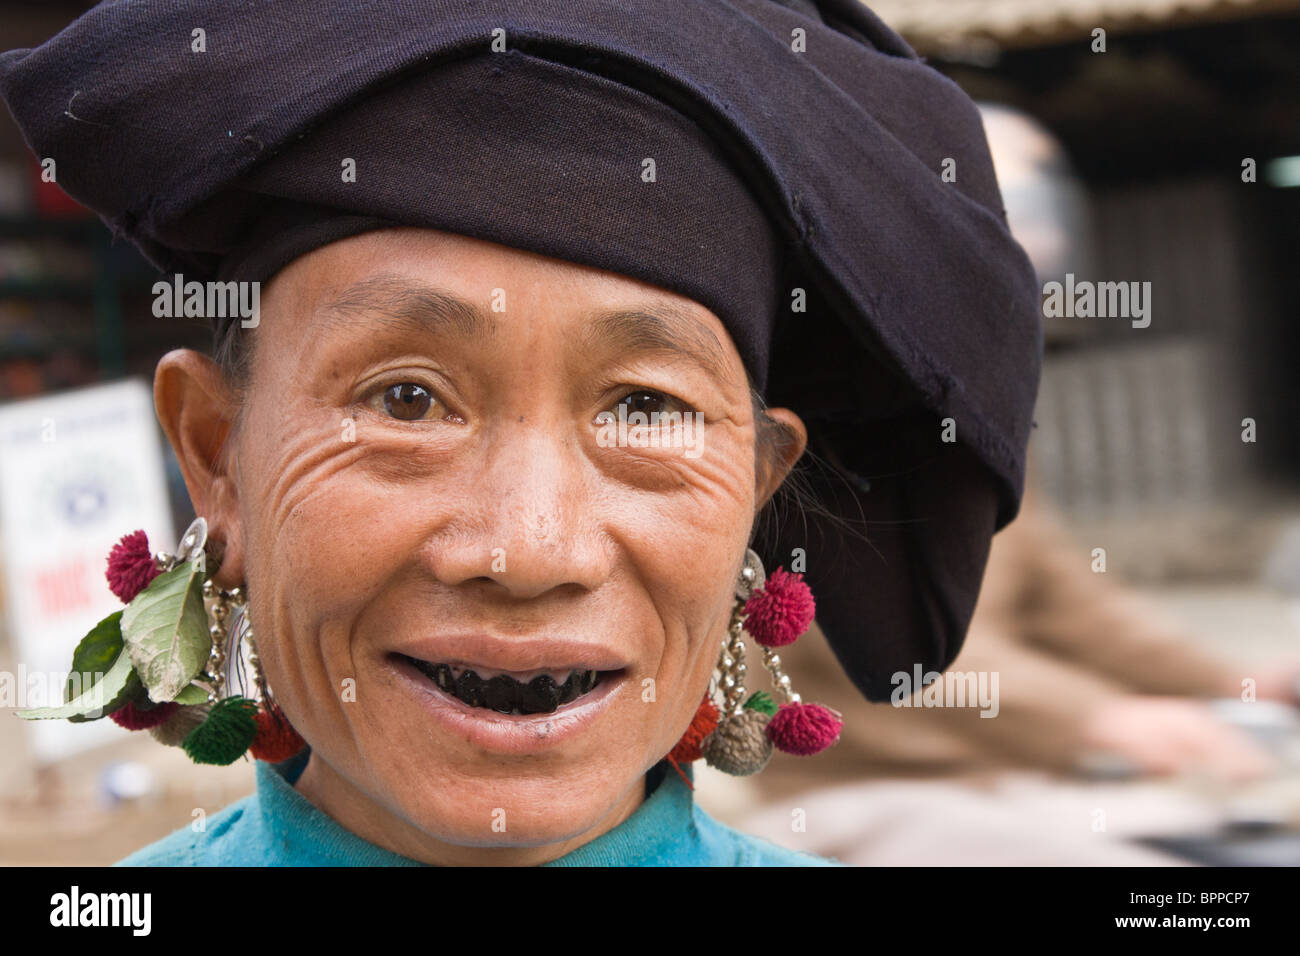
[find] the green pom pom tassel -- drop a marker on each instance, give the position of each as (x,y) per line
(762,702)
(226,734)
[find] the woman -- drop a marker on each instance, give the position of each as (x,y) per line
(488,597)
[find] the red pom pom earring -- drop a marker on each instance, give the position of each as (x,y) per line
(781,610)
(220,729)
(775,616)
(172,682)
(738,737)
(131,566)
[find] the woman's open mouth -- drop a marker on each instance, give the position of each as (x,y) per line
(542,692)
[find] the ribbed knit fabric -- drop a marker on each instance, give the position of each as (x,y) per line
(277,826)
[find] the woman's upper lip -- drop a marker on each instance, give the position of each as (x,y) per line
(518,654)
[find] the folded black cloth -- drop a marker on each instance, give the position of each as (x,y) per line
(795,146)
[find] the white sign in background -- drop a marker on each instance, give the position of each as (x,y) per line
(78,470)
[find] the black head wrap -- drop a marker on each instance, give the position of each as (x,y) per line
(797,146)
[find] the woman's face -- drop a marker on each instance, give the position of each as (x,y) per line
(423,494)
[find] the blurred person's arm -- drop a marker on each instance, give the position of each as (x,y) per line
(1086,617)
(1040,707)
(1078,662)
(1045,711)
(1056,706)
(1042,703)
(1048,713)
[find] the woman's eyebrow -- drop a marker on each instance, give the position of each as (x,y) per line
(658,329)
(405,306)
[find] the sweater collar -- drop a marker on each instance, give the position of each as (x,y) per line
(298,833)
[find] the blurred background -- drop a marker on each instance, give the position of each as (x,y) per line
(1142,616)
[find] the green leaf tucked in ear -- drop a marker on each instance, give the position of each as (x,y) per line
(108,694)
(165,631)
(93,657)
(191,695)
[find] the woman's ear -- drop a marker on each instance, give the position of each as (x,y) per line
(788,440)
(198,410)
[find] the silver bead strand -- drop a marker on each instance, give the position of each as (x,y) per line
(780,680)
(216,668)
(733,681)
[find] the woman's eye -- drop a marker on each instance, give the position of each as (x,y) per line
(648,403)
(406,401)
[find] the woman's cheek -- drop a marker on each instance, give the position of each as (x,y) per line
(687,544)
(331,504)
(705,511)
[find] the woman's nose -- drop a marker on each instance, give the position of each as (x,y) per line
(532,519)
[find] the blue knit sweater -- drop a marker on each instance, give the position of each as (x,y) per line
(277,826)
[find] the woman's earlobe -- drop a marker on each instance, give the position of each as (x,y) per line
(225,557)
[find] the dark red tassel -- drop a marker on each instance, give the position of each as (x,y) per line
(276,739)
(131,566)
(703,723)
(688,748)
(137,718)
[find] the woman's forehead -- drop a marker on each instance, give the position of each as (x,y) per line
(431,282)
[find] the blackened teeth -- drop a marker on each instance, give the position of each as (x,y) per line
(541,695)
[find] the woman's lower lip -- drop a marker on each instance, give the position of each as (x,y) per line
(510,733)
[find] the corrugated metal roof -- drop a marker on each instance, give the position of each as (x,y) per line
(931,24)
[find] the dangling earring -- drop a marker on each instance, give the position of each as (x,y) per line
(776,615)
(219,730)
(273,738)
(155,666)
(276,739)
(738,737)
(210,726)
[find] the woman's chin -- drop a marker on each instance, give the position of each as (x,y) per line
(509,809)
(445,785)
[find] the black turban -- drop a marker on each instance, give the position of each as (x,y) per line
(826,194)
